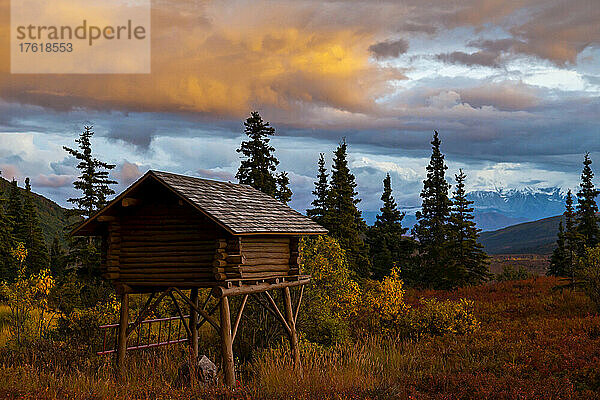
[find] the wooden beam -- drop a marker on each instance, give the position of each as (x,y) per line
(206,315)
(293,336)
(144,313)
(130,202)
(122,338)
(220,291)
(227,343)
(194,323)
(278,313)
(107,218)
(298,305)
(238,318)
(181,317)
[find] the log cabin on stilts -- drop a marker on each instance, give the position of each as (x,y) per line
(170,235)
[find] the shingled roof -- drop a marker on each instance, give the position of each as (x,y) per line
(240,209)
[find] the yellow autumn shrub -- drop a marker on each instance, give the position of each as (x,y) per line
(332,298)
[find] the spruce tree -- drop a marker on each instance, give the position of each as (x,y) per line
(57,258)
(431,229)
(572,238)
(470,263)
(343,219)
(587,221)
(558,260)
(37,253)
(317,213)
(15,212)
(387,246)
(94,184)
(259,166)
(283,192)
(7,267)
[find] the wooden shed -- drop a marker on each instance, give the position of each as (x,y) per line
(167,233)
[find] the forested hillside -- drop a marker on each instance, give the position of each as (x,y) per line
(52,216)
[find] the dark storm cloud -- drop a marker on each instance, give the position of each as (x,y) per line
(482,58)
(389,49)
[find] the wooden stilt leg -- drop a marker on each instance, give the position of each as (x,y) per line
(293,336)
(194,324)
(227,343)
(122,340)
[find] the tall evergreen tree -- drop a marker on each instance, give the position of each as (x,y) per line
(7,270)
(321,192)
(37,253)
(283,192)
(559,258)
(94,184)
(587,221)
(470,263)
(343,219)
(572,237)
(431,229)
(387,246)
(259,167)
(15,212)
(57,258)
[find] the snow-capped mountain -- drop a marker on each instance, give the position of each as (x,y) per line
(496,209)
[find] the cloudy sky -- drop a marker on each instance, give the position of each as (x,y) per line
(512,86)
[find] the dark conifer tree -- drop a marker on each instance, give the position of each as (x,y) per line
(572,238)
(283,192)
(37,253)
(343,219)
(321,192)
(587,221)
(387,246)
(470,263)
(57,258)
(94,184)
(558,260)
(432,228)
(7,267)
(15,212)
(259,166)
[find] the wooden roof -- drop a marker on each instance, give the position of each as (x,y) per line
(240,209)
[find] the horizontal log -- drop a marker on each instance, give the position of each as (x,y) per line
(205,275)
(220,291)
(165,271)
(219,263)
(263,274)
(182,258)
(235,259)
(111,275)
(255,256)
(164,265)
(174,248)
(106,218)
(249,239)
(151,253)
(130,202)
(266,261)
(265,268)
(131,243)
(220,255)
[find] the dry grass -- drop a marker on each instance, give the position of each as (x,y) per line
(535,343)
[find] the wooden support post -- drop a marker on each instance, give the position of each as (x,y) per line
(122,343)
(293,335)
(227,343)
(194,324)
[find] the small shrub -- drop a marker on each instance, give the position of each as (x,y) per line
(588,272)
(333,297)
(440,317)
(509,273)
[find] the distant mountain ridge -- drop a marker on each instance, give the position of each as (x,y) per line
(500,208)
